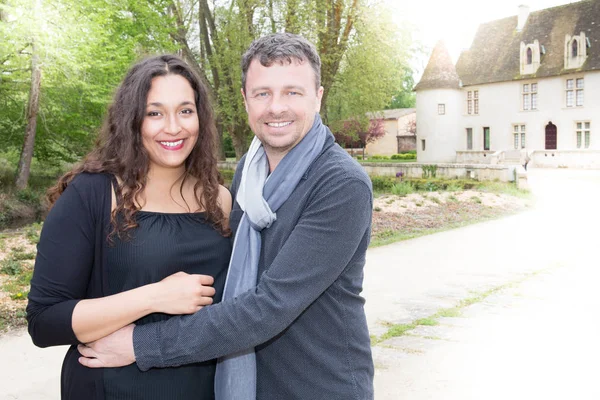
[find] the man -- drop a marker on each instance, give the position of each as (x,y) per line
(305,229)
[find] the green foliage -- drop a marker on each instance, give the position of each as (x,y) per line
(405,156)
(476,199)
(86,47)
(32,233)
(402,189)
(373,68)
(227,174)
(382,183)
(378,158)
(11,267)
(429,171)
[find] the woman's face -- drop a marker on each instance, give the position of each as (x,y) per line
(170,126)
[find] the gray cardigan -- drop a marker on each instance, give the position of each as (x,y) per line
(306,316)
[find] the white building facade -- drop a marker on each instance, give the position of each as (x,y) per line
(529,84)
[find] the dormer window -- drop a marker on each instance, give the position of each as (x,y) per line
(576,50)
(530,57)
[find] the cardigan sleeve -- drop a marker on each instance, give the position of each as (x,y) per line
(65,256)
(322,244)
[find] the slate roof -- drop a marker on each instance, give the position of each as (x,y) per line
(440,72)
(494,54)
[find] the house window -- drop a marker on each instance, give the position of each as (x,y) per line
(574,90)
(579,92)
(423,144)
(583,134)
(529,56)
(441,109)
(574,48)
(469,138)
(469,102)
(473,102)
(519,136)
(486,138)
(530,96)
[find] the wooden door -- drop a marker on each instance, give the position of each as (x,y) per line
(551,134)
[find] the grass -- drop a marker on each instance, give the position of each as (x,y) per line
(16,270)
(402,189)
(384,184)
(397,330)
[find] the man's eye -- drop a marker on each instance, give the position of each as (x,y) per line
(293,93)
(262,94)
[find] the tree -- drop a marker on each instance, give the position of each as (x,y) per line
(86,46)
(32,113)
(404,97)
(372,68)
(355,133)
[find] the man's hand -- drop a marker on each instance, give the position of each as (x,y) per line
(114,350)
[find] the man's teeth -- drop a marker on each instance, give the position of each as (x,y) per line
(172,144)
(278,124)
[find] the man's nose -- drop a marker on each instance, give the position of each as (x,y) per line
(278,104)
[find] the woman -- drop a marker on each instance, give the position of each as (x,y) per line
(137,231)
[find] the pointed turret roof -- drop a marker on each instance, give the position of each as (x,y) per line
(440,72)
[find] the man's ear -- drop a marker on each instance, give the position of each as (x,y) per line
(319,97)
(244,97)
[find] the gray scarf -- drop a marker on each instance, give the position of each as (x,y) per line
(260,195)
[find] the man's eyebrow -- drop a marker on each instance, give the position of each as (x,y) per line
(261,88)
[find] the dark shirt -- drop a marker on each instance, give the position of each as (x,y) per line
(306,316)
(66,271)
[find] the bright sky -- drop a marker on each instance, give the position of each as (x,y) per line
(456,21)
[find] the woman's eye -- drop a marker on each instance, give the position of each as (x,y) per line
(153,113)
(187,111)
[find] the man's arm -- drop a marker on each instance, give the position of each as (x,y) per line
(313,257)
(317,251)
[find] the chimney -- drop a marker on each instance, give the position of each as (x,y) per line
(523,15)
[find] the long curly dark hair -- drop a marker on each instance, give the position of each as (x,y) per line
(119,150)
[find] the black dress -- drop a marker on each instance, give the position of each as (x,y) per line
(161,245)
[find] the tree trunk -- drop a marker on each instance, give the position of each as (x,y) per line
(32,112)
(239,140)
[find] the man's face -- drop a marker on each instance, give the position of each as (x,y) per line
(281,101)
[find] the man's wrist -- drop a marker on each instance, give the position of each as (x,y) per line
(147,347)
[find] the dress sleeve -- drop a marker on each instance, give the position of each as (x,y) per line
(63,264)
(324,241)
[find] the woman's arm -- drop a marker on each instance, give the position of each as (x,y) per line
(63,266)
(179,293)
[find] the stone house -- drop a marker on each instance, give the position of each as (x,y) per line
(398,137)
(529,86)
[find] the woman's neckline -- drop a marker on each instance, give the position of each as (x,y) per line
(170,213)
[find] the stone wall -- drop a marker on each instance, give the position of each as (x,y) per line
(407,143)
(503,173)
(566,159)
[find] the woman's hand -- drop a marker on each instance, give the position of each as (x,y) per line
(183,293)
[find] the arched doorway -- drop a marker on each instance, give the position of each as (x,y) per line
(550,136)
